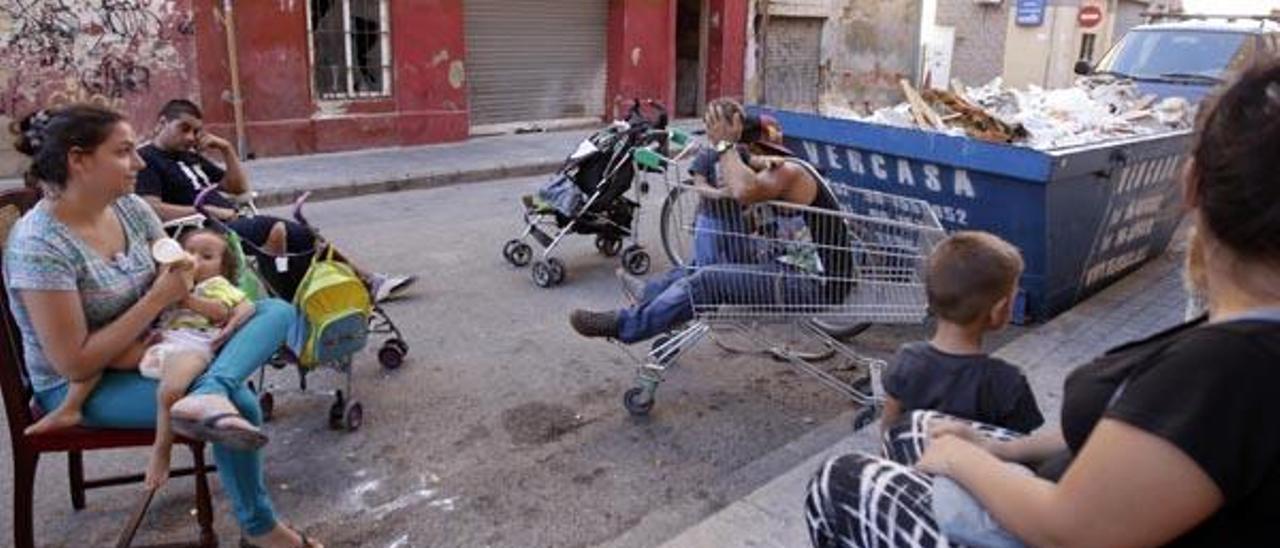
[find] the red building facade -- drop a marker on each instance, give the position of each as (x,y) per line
(331,75)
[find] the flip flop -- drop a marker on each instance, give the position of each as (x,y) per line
(306,542)
(207,429)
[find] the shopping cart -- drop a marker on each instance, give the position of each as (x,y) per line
(859,262)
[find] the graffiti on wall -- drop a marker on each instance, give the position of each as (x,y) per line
(100,51)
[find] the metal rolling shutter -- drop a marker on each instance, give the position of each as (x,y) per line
(535,59)
(792,60)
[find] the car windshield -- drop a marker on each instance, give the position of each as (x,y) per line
(1166,53)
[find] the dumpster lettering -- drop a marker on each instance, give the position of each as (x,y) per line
(832,160)
(1137,206)
(1115,265)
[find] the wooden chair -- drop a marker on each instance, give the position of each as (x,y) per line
(22,412)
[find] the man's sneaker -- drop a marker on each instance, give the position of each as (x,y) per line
(384,286)
(632,286)
(594,324)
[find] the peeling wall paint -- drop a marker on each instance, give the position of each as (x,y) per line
(457,74)
(867,46)
(111,50)
(130,55)
(440,57)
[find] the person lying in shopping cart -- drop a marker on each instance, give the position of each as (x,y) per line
(719,216)
(177,172)
(751,273)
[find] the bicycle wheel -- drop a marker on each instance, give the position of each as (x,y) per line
(677,226)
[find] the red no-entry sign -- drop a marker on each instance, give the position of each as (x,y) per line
(1090,16)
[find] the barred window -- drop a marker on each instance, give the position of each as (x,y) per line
(351,48)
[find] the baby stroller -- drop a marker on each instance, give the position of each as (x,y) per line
(332,342)
(588,195)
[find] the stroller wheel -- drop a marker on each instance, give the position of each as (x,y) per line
(607,246)
(517,253)
(268,404)
(557,270)
(391,355)
(353,417)
(635,260)
(542,275)
(637,401)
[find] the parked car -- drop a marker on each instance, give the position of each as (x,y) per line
(1188,57)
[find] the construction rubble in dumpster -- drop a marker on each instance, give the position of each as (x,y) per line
(1095,109)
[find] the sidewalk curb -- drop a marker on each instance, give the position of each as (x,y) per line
(281,196)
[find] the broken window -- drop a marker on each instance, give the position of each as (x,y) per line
(351,48)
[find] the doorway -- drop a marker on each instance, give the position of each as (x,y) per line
(690,58)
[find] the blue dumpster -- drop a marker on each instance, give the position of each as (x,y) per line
(1083,217)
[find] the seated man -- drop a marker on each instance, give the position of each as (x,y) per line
(176,172)
(817,273)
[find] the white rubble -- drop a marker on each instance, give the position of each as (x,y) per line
(1094,109)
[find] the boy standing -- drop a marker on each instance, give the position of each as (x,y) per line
(971,282)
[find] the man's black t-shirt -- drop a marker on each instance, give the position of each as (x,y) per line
(975,387)
(178,177)
(1211,392)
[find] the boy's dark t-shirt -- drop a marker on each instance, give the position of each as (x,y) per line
(178,177)
(976,387)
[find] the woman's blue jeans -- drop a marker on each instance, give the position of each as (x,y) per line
(128,400)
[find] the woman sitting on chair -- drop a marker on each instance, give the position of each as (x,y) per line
(1163,441)
(83,288)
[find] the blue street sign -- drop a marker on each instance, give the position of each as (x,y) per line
(1030,13)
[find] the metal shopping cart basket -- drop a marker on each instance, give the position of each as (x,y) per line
(797,269)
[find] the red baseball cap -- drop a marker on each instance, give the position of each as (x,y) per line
(764,131)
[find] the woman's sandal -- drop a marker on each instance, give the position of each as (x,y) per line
(206,429)
(306,542)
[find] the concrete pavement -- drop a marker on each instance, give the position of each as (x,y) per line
(503,428)
(1142,304)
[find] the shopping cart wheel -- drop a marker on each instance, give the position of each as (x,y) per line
(865,416)
(557,270)
(353,417)
(541,274)
(517,253)
(337,411)
(268,404)
(607,246)
(638,401)
(635,260)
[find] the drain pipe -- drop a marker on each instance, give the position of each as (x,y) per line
(237,100)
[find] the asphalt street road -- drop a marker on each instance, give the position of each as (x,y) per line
(503,428)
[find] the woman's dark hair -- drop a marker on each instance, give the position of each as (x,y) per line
(1237,165)
(48,136)
(230,269)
